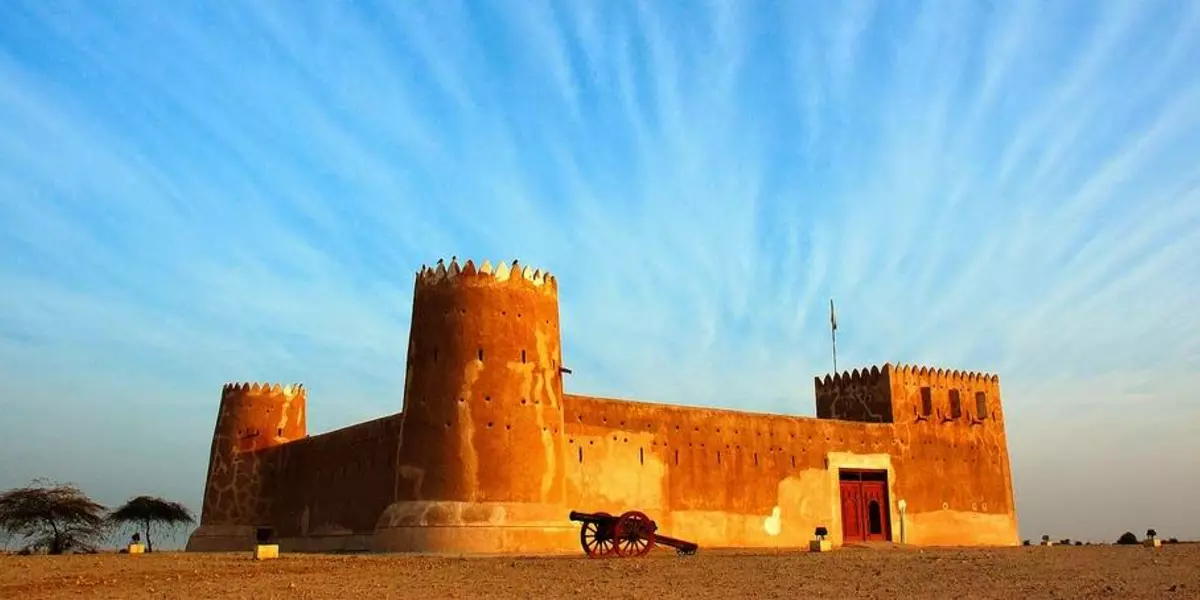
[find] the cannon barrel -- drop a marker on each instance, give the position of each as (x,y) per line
(683,546)
(586,517)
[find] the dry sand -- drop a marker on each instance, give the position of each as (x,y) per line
(1172,571)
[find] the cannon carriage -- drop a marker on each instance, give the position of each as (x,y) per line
(603,535)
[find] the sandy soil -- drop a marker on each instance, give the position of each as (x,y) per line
(1172,571)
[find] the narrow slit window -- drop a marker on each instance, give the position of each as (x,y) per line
(522,356)
(718,457)
(955,405)
(981,404)
(756,458)
(581,454)
(926,401)
(641,456)
(481,354)
(676,457)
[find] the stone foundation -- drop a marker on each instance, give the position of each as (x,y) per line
(222,538)
(476,528)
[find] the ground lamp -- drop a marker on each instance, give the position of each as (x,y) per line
(819,543)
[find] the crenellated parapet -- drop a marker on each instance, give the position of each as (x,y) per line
(257,388)
(932,394)
(857,395)
(865,376)
(257,415)
(907,393)
(943,376)
(514,274)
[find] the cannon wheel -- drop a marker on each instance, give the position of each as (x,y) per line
(596,539)
(634,532)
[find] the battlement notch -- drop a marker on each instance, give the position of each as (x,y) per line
(855,395)
(255,388)
(946,376)
(514,274)
(933,394)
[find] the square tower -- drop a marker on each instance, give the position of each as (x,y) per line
(909,394)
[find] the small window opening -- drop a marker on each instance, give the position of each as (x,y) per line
(676,457)
(981,404)
(926,401)
(280,432)
(481,354)
(522,356)
(718,457)
(793,461)
(955,405)
(875,517)
(756,458)
(642,456)
(581,454)
(264,534)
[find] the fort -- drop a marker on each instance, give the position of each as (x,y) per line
(488,454)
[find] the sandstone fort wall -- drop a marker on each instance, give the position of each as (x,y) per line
(489,454)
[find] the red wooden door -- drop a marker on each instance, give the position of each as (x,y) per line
(875,511)
(853,529)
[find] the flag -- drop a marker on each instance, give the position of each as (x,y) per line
(832,316)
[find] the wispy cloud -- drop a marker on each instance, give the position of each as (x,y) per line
(188,198)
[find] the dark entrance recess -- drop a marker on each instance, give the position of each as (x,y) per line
(865,514)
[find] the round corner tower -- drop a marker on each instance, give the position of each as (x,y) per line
(482,446)
(252,419)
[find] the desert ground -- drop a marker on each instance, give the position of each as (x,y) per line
(1172,571)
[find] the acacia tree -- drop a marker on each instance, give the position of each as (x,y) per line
(56,517)
(150,511)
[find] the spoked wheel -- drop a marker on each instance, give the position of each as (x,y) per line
(597,540)
(634,534)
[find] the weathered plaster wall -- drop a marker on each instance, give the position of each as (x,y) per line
(858,396)
(718,477)
(336,483)
(250,419)
(725,477)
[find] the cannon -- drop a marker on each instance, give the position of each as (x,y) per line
(632,534)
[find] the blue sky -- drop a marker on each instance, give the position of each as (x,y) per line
(194,193)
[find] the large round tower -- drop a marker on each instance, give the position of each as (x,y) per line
(481,456)
(252,419)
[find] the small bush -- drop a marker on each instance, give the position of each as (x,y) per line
(1127,538)
(1173,541)
(1024,542)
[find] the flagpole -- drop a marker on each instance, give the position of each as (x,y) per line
(833,334)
